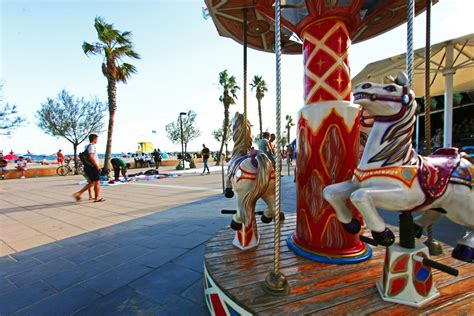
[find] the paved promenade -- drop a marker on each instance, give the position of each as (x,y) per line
(138,253)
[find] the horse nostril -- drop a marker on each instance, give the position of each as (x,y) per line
(373,97)
(366,86)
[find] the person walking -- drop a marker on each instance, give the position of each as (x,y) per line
(119,165)
(205,158)
(157,158)
(91,168)
(60,157)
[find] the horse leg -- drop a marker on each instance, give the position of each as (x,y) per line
(367,200)
(269,213)
(425,219)
(465,248)
(336,195)
(229,193)
(236,223)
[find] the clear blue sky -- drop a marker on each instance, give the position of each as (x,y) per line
(182,54)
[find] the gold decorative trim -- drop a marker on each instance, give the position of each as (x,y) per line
(331,255)
(404,174)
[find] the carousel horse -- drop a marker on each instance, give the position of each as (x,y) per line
(251,175)
(391,176)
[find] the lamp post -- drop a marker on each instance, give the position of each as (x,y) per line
(182,141)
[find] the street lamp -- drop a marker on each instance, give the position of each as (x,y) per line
(182,141)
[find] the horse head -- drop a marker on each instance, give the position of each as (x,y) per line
(385,102)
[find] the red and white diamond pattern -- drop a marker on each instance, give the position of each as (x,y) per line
(327,73)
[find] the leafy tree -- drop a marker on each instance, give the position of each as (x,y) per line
(114,45)
(9,117)
(260,87)
(71,118)
(289,124)
(190,130)
(218,133)
(229,89)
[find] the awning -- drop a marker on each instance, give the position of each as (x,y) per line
(462,68)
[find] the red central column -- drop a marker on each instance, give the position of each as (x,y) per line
(327,145)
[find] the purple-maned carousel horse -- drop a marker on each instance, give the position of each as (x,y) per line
(250,174)
(391,176)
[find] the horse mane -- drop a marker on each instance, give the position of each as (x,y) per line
(398,139)
(241,136)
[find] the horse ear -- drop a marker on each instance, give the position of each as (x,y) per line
(388,79)
(402,79)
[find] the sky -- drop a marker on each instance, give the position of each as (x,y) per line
(181,57)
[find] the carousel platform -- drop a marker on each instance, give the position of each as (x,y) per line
(234,279)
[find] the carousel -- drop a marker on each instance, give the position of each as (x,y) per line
(337,255)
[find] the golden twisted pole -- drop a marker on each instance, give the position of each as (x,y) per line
(275,281)
(245,11)
(433,245)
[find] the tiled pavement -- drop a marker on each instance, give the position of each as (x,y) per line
(148,265)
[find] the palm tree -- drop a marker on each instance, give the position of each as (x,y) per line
(114,45)
(229,87)
(260,88)
(289,124)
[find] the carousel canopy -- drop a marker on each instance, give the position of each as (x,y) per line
(363,18)
(462,68)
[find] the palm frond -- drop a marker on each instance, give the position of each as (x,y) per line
(125,50)
(124,38)
(92,49)
(125,71)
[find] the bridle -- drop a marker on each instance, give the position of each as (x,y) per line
(405,100)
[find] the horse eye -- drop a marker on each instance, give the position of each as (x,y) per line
(390,88)
(366,86)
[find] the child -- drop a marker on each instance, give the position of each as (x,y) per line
(21,165)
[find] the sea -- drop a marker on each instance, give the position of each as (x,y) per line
(54,158)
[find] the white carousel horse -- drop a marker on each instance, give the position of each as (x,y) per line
(251,175)
(392,177)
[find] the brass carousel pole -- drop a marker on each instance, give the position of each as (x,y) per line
(245,11)
(275,281)
(433,245)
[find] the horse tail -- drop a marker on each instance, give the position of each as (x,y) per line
(260,186)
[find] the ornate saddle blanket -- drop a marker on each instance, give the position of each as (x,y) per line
(235,162)
(435,171)
(463,174)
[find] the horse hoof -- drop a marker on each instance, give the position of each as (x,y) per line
(463,253)
(385,238)
(229,193)
(265,219)
(282,216)
(418,231)
(235,226)
(353,227)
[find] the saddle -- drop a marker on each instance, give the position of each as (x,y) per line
(435,172)
(235,163)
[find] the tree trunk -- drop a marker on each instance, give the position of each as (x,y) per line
(185,147)
(288,134)
(112,94)
(224,134)
(260,116)
(75,158)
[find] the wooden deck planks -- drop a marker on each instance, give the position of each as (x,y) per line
(318,288)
